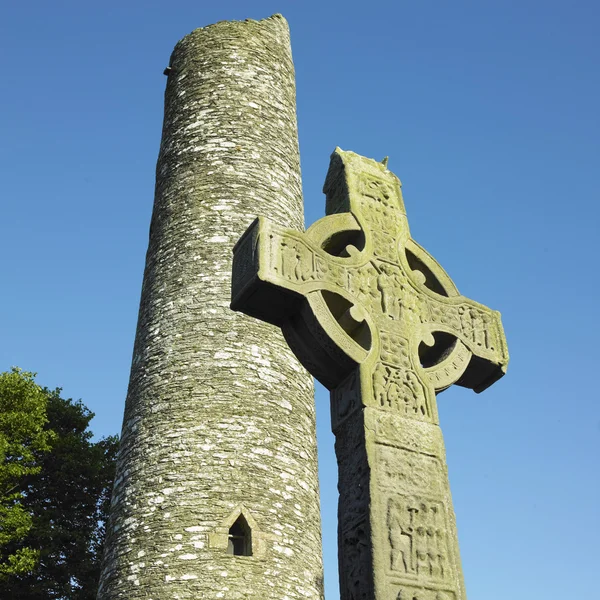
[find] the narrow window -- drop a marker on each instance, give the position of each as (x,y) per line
(239,542)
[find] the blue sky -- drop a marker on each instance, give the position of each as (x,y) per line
(489,114)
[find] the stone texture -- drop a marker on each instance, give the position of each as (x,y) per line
(378,321)
(219,418)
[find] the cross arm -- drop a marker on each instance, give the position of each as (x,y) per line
(467,340)
(274,268)
(461,341)
(259,288)
(295,280)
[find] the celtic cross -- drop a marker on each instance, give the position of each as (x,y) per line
(378,321)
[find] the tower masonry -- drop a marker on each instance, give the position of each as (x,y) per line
(216,494)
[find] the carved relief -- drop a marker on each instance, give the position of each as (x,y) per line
(334,274)
(295,261)
(414,593)
(378,190)
(407,471)
(362,285)
(394,349)
(417,538)
(476,327)
(403,301)
(389,287)
(444,314)
(384,244)
(392,429)
(322,267)
(401,530)
(400,390)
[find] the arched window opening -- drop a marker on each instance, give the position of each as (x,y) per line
(239,541)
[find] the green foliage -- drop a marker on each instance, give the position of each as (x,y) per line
(67,497)
(23,438)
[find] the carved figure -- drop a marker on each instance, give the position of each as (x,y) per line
(393,392)
(321,267)
(481,331)
(302,263)
(298,266)
(434,567)
(389,303)
(442,565)
(422,564)
(400,536)
(416,396)
(288,259)
(380,375)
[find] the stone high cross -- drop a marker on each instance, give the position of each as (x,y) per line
(378,321)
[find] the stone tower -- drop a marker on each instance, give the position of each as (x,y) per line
(216,494)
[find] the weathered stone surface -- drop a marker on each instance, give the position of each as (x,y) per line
(378,321)
(219,418)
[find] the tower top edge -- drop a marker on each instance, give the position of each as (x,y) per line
(275,19)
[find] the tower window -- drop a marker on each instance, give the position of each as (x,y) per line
(239,542)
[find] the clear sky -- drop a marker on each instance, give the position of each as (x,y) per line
(489,112)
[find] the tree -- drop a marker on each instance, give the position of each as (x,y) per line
(23,440)
(68,499)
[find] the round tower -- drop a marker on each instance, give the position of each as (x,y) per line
(216,494)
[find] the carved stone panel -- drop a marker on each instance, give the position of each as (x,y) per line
(421,593)
(418,539)
(408,471)
(400,390)
(395,349)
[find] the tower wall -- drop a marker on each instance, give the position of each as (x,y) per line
(219,415)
